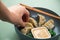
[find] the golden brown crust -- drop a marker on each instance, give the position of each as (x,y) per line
(49,24)
(41,33)
(31,20)
(28,27)
(41,19)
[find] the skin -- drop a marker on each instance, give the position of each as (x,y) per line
(16,14)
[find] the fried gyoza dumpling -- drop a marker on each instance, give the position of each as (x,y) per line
(28,27)
(41,33)
(31,20)
(49,24)
(41,19)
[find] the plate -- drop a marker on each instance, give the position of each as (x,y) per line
(33,14)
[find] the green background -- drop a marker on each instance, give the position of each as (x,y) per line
(7,31)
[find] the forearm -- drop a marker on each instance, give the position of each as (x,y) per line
(4,12)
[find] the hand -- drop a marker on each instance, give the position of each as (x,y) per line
(19,15)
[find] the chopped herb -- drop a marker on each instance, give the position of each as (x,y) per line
(30,34)
(52,32)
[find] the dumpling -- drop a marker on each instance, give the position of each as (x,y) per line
(41,33)
(49,24)
(41,19)
(31,20)
(28,27)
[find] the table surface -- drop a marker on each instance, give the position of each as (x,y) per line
(7,31)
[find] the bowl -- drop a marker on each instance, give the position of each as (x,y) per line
(33,14)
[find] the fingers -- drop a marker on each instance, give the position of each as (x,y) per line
(21,23)
(22,15)
(27,14)
(24,18)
